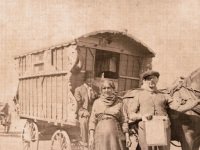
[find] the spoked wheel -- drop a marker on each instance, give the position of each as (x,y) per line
(30,136)
(60,141)
(76,145)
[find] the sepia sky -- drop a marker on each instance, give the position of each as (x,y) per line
(169,27)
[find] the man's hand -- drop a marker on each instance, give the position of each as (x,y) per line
(91,141)
(128,140)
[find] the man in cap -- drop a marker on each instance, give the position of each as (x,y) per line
(145,104)
(85,96)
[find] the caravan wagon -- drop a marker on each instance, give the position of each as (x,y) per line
(48,77)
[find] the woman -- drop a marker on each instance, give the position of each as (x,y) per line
(104,125)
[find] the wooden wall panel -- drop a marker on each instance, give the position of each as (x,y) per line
(44,97)
(136,67)
(34,97)
(59,96)
(90,59)
(26,96)
(121,85)
(64,54)
(31,96)
(130,66)
(22,98)
(135,84)
(40,100)
(49,97)
(59,59)
(123,64)
(20,95)
(53,93)
(54,57)
(83,53)
(128,84)
(65,93)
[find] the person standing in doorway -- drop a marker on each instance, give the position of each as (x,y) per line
(85,96)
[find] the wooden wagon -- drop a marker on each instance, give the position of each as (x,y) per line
(48,77)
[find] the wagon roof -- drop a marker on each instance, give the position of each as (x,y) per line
(121,35)
(101,33)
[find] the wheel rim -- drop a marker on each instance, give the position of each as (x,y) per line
(60,141)
(30,136)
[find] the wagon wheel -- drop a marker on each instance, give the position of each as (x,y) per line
(76,145)
(30,136)
(60,141)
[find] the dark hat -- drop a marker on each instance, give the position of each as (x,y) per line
(150,73)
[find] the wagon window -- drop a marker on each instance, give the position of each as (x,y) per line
(107,64)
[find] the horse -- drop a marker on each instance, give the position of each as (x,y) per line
(185,125)
(5,117)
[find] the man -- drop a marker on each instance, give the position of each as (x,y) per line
(85,96)
(146,104)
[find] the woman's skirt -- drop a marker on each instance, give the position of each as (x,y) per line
(108,135)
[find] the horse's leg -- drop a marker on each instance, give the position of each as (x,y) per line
(187,138)
(196,144)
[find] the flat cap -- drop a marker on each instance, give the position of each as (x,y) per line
(150,73)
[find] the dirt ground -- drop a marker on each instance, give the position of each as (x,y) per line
(12,140)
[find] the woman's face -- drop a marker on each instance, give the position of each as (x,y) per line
(107,90)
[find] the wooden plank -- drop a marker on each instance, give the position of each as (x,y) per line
(59,97)
(53,93)
(23,66)
(29,91)
(54,58)
(20,96)
(123,64)
(26,96)
(23,96)
(44,97)
(49,97)
(128,84)
(135,84)
(127,77)
(39,90)
(90,59)
(121,85)
(65,100)
(34,97)
(65,58)
(31,96)
(82,54)
(68,123)
(136,68)
(130,66)
(59,59)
